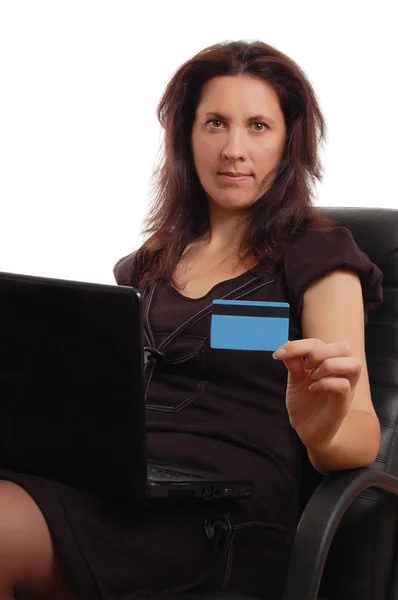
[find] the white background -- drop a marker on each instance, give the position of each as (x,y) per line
(79,85)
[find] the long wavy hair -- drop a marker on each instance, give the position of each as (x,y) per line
(179,211)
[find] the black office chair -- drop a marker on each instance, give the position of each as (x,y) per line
(346,542)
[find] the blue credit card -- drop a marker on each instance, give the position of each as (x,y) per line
(249,325)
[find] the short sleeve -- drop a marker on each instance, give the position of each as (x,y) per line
(320,251)
(124,270)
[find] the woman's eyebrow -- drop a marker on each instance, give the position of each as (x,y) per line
(216,115)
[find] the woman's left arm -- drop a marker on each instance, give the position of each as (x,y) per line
(335,419)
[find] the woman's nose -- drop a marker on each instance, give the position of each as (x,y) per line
(235,148)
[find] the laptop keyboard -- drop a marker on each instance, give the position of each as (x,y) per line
(161,473)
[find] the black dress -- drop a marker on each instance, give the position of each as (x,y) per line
(211,409)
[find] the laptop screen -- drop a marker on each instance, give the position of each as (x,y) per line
(71,376)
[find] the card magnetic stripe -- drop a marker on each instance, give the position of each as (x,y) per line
(245,310)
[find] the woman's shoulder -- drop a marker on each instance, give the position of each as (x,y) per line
(331,236)
(317,252)
(324,249)
(124,270)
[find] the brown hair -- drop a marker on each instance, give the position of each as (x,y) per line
(179,212)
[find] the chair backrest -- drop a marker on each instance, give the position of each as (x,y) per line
(360,562)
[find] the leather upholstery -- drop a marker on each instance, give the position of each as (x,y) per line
(361,557)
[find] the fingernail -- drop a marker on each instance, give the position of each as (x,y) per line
(279,353)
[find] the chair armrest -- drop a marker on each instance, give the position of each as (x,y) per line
(318,524)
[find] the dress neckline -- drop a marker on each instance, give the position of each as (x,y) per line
(175,292)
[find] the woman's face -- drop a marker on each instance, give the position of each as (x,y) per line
(238,128)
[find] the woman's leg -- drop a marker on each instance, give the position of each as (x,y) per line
(29,568)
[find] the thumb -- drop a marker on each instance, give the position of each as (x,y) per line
(296,368)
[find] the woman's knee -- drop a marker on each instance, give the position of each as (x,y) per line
(27,556)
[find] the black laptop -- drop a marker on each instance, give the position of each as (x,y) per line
(72,393)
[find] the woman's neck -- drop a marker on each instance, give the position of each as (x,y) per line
(226,229)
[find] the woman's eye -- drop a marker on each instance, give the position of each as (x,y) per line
(263,126)
(215,123)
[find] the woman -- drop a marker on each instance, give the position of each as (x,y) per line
(233,218)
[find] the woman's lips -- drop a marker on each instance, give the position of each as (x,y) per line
(234,178)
